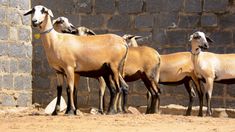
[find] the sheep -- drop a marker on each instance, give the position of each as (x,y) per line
(62,24)
(176,69)
(67,54)
(210,67)
(142,63)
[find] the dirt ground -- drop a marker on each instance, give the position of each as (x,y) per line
(31,119)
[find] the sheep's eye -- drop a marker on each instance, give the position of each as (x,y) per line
(197,37)
(43,10)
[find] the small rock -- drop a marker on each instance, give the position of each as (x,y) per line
(223,114)
(94,111)
(133,110)
(79,113)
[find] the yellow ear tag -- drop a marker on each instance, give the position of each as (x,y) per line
(37,36)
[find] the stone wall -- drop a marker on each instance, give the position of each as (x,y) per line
(167,25)
(15,54)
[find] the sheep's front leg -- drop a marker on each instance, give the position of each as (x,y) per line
(70,82)
(77,77)
(59,93)
(208,91)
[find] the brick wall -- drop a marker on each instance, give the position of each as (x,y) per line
(166,24)
(15,54)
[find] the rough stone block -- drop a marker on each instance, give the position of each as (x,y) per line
(222,37)
(215,5)
(159,37)
(41,83)
(4,31)
(231,90)
(5,66)
(83,101)
(92,21)
(230,103)
(93,99)
(227,21)
(105,6)
(175,5)
(155,5)
(189,21)
(130,6)
(24,99)
(28,51)
(166,100)
(7,81)
(137,100)
(16,50)
(3,49)
(4,2)
(7,100)
(13,17)
(177,37)
(18,83)
(24,66)
(208,20)
(43,97)
(174,49)
(193,6)
(217,49)
(26,20)
(3,14)
(218,89)
(139,87)
(84,82)
(119,22)
(13,66)
(217,103)
(84,6)
(94,84)
(163,20)
(164,5)
(13,33)
(21,4)
(144,21)
(65,6)
(24,34)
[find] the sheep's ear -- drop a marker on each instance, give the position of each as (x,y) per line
(50,12)
(138,37)
(191,38)
(27,13)
(90,32)
(208,39)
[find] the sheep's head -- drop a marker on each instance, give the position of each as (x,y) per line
(83,31)
(39,14)
(200,40)
(131,39)
(63,25)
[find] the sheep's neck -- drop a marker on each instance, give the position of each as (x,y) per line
(48,38)
(195,52)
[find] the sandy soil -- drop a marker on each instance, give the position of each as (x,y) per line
(28,120)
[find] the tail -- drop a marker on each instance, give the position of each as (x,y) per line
(121,69)
(123,62)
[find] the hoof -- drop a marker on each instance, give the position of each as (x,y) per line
(71,112)
(54,113)
(188,113)
(112,112)
(200,115)
(101,112)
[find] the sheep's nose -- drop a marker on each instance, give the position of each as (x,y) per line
(33,21)
(206,45)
